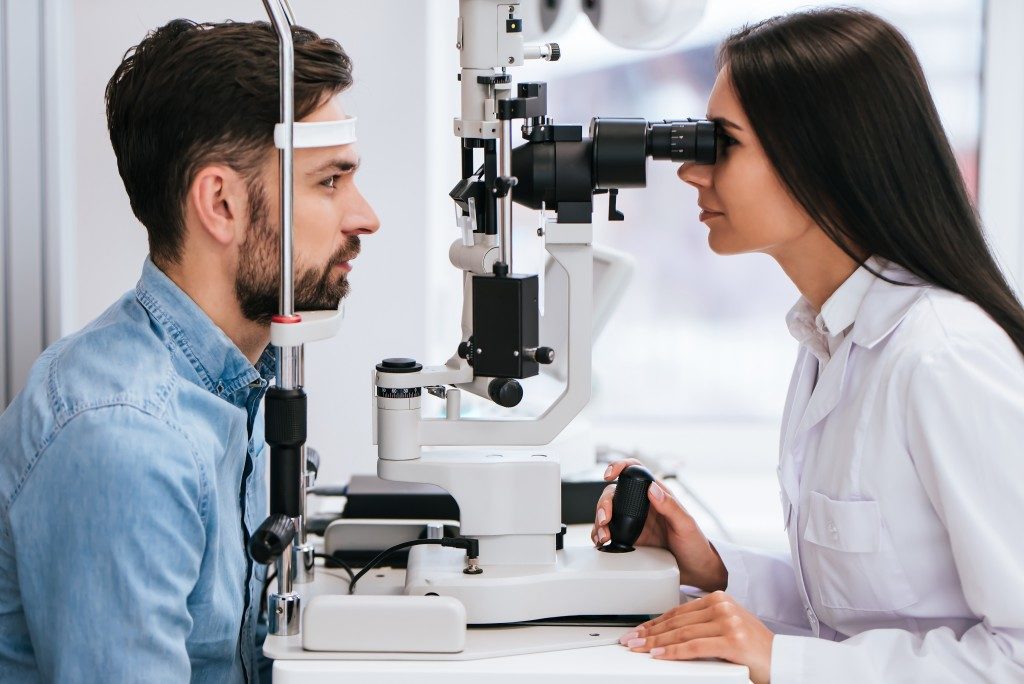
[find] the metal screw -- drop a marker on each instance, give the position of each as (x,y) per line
(511,60)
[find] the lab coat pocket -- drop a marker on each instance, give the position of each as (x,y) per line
(852,558)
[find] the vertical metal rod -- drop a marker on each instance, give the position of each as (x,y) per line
(505,203)
(284,605)
(286,55)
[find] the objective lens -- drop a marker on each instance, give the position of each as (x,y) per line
(683,140)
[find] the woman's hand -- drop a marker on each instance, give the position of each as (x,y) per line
(670,527)
(714,626)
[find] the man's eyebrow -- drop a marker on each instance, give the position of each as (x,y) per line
(725,122)
(341,165)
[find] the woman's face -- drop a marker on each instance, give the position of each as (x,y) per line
(745,205)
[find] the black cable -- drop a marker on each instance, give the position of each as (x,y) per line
(472,547)
(335,558)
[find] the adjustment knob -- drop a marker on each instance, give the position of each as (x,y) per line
(505,392)
(399,365)
(629,508)
(544,355)
(554,52)
(271,538)
(465,350)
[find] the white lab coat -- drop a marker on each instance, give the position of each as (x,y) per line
(902,486)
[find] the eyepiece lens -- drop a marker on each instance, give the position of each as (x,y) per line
(683,141)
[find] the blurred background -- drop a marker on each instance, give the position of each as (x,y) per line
(692,367)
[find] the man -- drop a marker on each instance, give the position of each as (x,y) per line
(132,464)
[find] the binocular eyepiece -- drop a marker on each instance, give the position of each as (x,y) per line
(561,170)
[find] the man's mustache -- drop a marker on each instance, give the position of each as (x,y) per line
(347,252)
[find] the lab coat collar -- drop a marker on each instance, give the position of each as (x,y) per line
(886,304)
(880,310)
(816,331)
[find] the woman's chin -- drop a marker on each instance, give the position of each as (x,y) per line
(720,246)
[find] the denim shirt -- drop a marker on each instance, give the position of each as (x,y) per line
(131,475)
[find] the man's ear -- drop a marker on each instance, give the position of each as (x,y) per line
(218,199)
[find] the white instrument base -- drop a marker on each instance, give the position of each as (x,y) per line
(582,581)
(481,642)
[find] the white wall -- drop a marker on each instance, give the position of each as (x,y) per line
(404,66)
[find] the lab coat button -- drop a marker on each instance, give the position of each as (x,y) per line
(811,617)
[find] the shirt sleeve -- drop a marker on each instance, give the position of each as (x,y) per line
(965,421)
(764,582)
(109,539)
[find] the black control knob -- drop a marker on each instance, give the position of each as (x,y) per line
(629,508)
(505,392)
(465,350)
(544,355)
(399,365)
(271,538)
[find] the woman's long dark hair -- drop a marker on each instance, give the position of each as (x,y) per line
(841,107)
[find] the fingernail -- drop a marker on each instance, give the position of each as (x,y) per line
(657,492)
(600,536)
(636,643)
(627,637)
(607,472)
(657,651)
(601,517)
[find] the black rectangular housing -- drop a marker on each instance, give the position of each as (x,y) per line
(505,324)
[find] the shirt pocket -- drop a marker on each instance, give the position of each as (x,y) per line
(851,555)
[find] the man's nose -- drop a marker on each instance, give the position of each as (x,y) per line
(697,175)
(360,218)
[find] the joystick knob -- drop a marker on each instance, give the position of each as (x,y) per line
(629,508)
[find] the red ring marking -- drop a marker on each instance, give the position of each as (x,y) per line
(278,318)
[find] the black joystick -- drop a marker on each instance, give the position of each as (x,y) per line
(629,508)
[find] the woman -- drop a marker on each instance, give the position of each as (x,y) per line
(900,465)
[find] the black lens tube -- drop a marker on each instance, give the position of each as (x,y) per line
(620,153)
(683,141)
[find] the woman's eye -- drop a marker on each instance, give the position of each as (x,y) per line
(727,141)
(329,182)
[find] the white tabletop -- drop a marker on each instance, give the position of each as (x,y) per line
(597,665)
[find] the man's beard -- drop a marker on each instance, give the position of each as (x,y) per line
(257,284)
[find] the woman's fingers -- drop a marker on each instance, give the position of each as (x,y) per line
(699,604)
(612,472)
(677,621)
(600,534)
(709,647)
(667,505)
(679,635)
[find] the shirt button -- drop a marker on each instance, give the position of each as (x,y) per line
(811,617)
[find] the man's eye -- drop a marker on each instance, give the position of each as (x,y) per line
(330,181)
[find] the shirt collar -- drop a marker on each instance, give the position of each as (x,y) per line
(220,365)
(837,313)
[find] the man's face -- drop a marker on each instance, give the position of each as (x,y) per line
(330,215)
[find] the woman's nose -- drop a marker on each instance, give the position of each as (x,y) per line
(697,175)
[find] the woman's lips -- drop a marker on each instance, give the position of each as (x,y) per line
(706,214)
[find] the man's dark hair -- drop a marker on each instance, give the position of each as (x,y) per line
(193,94)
